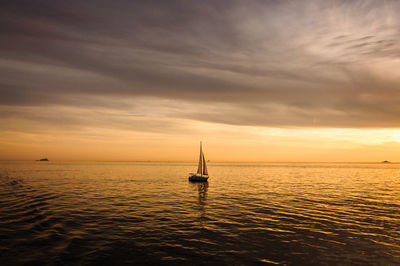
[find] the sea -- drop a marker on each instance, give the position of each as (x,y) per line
(147,213)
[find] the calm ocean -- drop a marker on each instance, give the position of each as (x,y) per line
(148,213)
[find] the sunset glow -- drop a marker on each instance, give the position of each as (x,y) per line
(255,80)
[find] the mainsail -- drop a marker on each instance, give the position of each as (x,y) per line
(204,166)
(202,169)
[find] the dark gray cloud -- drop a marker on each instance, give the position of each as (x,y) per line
(267,63)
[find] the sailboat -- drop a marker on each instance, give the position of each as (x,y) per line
(202,173)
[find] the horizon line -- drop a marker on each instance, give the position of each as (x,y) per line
(181,161)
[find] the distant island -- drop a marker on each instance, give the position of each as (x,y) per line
(385,162)
(43,160)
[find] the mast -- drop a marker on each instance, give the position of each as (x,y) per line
(200,168)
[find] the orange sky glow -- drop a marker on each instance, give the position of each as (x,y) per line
(268,81)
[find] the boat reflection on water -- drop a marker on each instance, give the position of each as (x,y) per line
(202,189)
(202,199)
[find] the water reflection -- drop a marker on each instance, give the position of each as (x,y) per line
(120,213)
(202,200)
(202,189)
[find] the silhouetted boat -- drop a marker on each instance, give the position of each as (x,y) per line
(202,173)
(385,162)
(43,160)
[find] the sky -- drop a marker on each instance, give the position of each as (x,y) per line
(313,80)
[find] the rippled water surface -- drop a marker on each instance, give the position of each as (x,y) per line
(148,213)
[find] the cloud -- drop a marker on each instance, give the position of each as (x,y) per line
(264,63)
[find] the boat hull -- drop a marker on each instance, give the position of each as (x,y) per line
(196,178)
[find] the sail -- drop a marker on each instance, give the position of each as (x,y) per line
(204,166)
(200,168)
